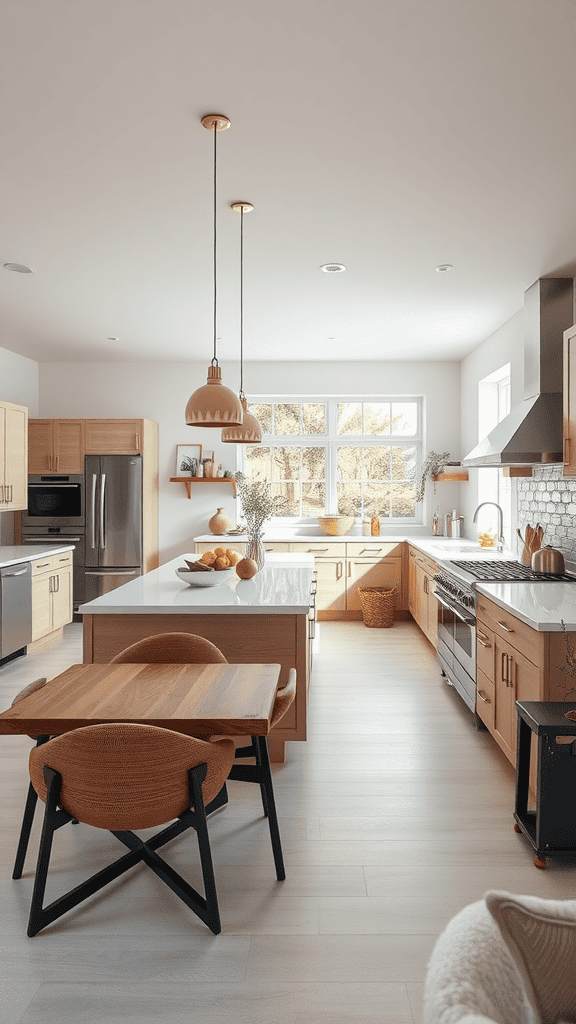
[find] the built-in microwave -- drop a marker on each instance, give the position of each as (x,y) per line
(55,501)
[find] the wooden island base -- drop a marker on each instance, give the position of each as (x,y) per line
(244,639)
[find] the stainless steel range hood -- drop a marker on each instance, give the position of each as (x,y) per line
(531,434)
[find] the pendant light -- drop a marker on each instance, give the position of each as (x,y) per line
(214,405)
(249,431)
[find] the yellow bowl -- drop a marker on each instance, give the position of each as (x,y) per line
(336,526)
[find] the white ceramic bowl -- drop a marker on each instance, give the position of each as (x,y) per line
(205,579)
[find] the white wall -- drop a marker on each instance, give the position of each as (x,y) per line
(18,384)
(506,345)
(160,391)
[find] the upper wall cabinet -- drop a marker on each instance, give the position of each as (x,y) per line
(569,431)
(13,456)
(56,446)
(114,437)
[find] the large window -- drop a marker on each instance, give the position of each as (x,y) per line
(336,455)
(493,406)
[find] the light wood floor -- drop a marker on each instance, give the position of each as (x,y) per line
(394,815)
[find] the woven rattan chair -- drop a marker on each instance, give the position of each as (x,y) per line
(187,648)
(121,777)
(171,648)
(31,799)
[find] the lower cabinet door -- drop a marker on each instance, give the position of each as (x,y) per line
(331,576)
(485,699)
(362,572)
(41,607)
(62,598)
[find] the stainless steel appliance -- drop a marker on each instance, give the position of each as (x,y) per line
(456,594)
(113,522)
(56,536)
(55,501)
(15,609)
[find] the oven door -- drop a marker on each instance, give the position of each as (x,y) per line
(457,629)
(54,502)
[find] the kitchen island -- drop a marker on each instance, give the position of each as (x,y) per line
(263,620)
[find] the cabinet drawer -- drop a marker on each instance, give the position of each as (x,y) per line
(375,551)
(61,560)
(321,550)
(281,546)
(485,649)
(512,630)
(485,698)
(41,565)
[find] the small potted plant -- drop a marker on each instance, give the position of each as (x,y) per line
(433,465)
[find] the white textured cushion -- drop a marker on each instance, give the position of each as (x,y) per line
(471,977)
(541,937)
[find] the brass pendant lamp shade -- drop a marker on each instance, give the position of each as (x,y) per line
(249,431)
(214,405)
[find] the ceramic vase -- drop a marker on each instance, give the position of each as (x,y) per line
(220,523)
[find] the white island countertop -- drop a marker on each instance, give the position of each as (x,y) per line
(15,553)
(282,587)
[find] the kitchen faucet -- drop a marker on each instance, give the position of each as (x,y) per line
(500,545)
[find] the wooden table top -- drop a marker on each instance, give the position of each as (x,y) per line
(230,699)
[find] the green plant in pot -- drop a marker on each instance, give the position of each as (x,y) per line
(433,465)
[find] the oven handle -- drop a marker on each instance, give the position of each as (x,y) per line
(468,620)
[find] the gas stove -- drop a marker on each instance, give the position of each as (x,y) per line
(509,571)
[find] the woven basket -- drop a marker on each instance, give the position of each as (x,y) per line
(378,605)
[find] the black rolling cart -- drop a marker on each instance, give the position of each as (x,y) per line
(552,828)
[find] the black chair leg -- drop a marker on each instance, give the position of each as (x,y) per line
(258,757)
(262,745)
(27,820)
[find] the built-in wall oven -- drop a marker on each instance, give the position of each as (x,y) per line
(55,501)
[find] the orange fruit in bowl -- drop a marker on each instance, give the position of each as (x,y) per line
(219,551)
(208,558)
(231,556)
(221,562)
(246,568)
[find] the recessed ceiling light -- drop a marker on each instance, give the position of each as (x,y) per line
(333,268)
(113,339)
(18,268)
(444,268)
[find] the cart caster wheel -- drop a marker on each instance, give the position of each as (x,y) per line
(517,827)
(540,862)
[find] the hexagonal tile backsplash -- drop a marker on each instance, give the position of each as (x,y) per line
(549,498)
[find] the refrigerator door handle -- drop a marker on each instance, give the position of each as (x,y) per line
(93,512)
(102,518)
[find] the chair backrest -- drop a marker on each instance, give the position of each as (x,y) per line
(129,776)
(284,698)
(171,648)
(31,688)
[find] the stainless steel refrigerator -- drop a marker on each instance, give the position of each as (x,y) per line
(113,499)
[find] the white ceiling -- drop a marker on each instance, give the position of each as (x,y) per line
(388,135)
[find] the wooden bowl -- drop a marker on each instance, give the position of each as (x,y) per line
(205,579)
(336,526)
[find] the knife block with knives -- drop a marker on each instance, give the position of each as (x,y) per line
(532,541)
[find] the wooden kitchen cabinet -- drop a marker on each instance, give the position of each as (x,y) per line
(511,665)
(422,603)
(51,596)
(569,419)
(56,447)
(13,457)
(115,437)
(365,572)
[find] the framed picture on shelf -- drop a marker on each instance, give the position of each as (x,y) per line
(208,456)
(188,458)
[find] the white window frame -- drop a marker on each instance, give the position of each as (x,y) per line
(331,440)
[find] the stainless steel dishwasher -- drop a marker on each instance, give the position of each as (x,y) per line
(15,609)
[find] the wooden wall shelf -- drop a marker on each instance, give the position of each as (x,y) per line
(190,481)
(461,474)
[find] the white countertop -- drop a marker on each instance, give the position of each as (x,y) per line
(282,587)
(12,554)
(542,606)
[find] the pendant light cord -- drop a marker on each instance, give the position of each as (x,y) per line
(214,360)
(241,396)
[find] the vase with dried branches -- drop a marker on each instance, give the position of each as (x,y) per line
(258,505)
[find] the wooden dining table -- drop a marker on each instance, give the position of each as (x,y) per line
(233,700)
